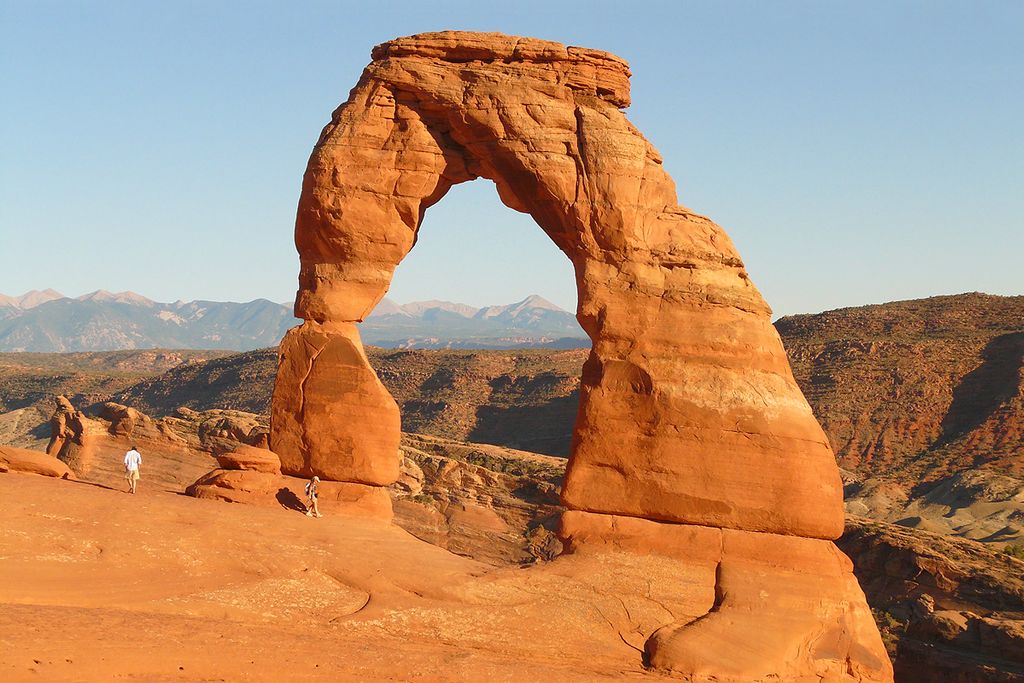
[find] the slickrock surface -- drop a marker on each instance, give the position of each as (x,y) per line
(206,590)
(689,412)
(896,566)
(769,593)
(266,489)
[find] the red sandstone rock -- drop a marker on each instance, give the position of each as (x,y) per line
(32,462)
(251,458)
(71,436)
(266,489)
(331,416)
(122,418)
(793,603)
(689,411)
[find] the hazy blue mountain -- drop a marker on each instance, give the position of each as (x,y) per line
(531,322)
(105,321)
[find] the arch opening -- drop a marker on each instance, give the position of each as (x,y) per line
(497,380)
(471,249)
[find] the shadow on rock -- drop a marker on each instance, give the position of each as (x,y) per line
(287,498)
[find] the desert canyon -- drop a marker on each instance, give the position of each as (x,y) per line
(686,530)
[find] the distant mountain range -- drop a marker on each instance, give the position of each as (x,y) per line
(534,321)
(48,321)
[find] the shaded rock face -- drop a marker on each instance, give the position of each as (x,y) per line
(951,609)
(919,389)
(493,504)
(70,437)
(688,411)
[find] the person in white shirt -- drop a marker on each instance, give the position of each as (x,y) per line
(132,460)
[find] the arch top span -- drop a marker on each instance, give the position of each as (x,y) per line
(688,409)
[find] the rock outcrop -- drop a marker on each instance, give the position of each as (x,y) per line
(71,436)
(32,462)
(122,418)
(689,413)
(253,475)
(951,609)
(251,458)
(493,504)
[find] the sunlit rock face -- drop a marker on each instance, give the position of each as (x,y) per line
(689,413)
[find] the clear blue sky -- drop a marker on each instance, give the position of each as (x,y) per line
(856,152)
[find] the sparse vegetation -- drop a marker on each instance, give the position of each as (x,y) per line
(1014,550)
(422,499)
(516,468)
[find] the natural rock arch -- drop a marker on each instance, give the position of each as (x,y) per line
(689,411)
(692,437)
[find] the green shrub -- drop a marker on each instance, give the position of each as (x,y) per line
(1015,550)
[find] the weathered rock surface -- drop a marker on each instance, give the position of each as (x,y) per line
(250,458)
(71,437)
(493,504)
(331,416)
(792,602)
(255,487)
(122,418)
(689,412)
(32,462)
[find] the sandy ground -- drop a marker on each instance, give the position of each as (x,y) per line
(96,584)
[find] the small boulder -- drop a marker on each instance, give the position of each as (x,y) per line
(235,486)
(32,462)
(251,458)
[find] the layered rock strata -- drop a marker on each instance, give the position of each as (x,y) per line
(689,413)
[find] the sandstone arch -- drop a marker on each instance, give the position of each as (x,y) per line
(689,413)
